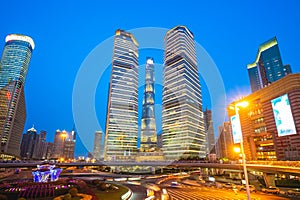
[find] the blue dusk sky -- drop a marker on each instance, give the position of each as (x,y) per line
(67,32)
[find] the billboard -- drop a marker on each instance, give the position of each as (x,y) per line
(283,116)
(236,129)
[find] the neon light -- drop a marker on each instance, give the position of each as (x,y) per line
(44,172)
(8,95)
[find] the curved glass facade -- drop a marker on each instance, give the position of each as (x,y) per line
(148,129)
(13,70)
(182,126)
(122,113)
(268,66)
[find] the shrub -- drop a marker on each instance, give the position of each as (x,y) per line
(3,197)
(96,182)
(67,197)
(73,192)
(81,184)
(102,186)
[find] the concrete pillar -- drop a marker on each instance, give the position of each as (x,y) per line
(112,169)
(240,175)
(269,179)
(117,169)
(153,170)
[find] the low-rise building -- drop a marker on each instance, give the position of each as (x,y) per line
(270,124)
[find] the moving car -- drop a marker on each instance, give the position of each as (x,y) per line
(271,189)
(229,185)
(251,187)
(175,184)
(295,191)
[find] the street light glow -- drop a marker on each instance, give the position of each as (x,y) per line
(237,149)
(243,104)
(238,132)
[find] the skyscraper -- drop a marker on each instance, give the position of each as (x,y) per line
(122,113)
(28,144)
(267,66)
(224,143)
(148,129)
(209,130)
(182,118)
(97,145)
(40,147)
(59,141)
(64,144)
(13,70)
(49,150)
(69,145)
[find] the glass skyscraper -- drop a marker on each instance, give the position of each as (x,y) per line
(209,130)
(148,129)
(97,145)
(13,70)
(122,113)
(268,66)
(183,132)
(59,142)
(29,143)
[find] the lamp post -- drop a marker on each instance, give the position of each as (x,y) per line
(237,105)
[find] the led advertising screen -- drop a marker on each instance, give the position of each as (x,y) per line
(236,129)
(283,116)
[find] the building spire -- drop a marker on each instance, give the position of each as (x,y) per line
(148,130)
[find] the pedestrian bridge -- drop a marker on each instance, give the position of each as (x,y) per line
(282,167)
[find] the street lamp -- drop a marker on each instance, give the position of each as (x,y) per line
(236,107)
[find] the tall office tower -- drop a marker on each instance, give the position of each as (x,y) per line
(267,66)
(122,113)
(49,150)
(182,118)
(69,145)
(148,129)
(59,141)
(28,144)
(69,149)
(159,141)
(40,147)
(209,130)
(224,143)
(97,145)
(13,70)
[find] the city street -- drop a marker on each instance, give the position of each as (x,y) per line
(138,192)
(205,193)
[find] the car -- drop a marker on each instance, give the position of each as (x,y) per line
(201,181)
(175,184)
(209,184)
(229,185)
(251,188)
(272,189)
(295,191)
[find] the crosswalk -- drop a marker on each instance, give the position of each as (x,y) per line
(203,193)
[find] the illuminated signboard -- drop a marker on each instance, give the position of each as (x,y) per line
(236,129)
(283,116)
